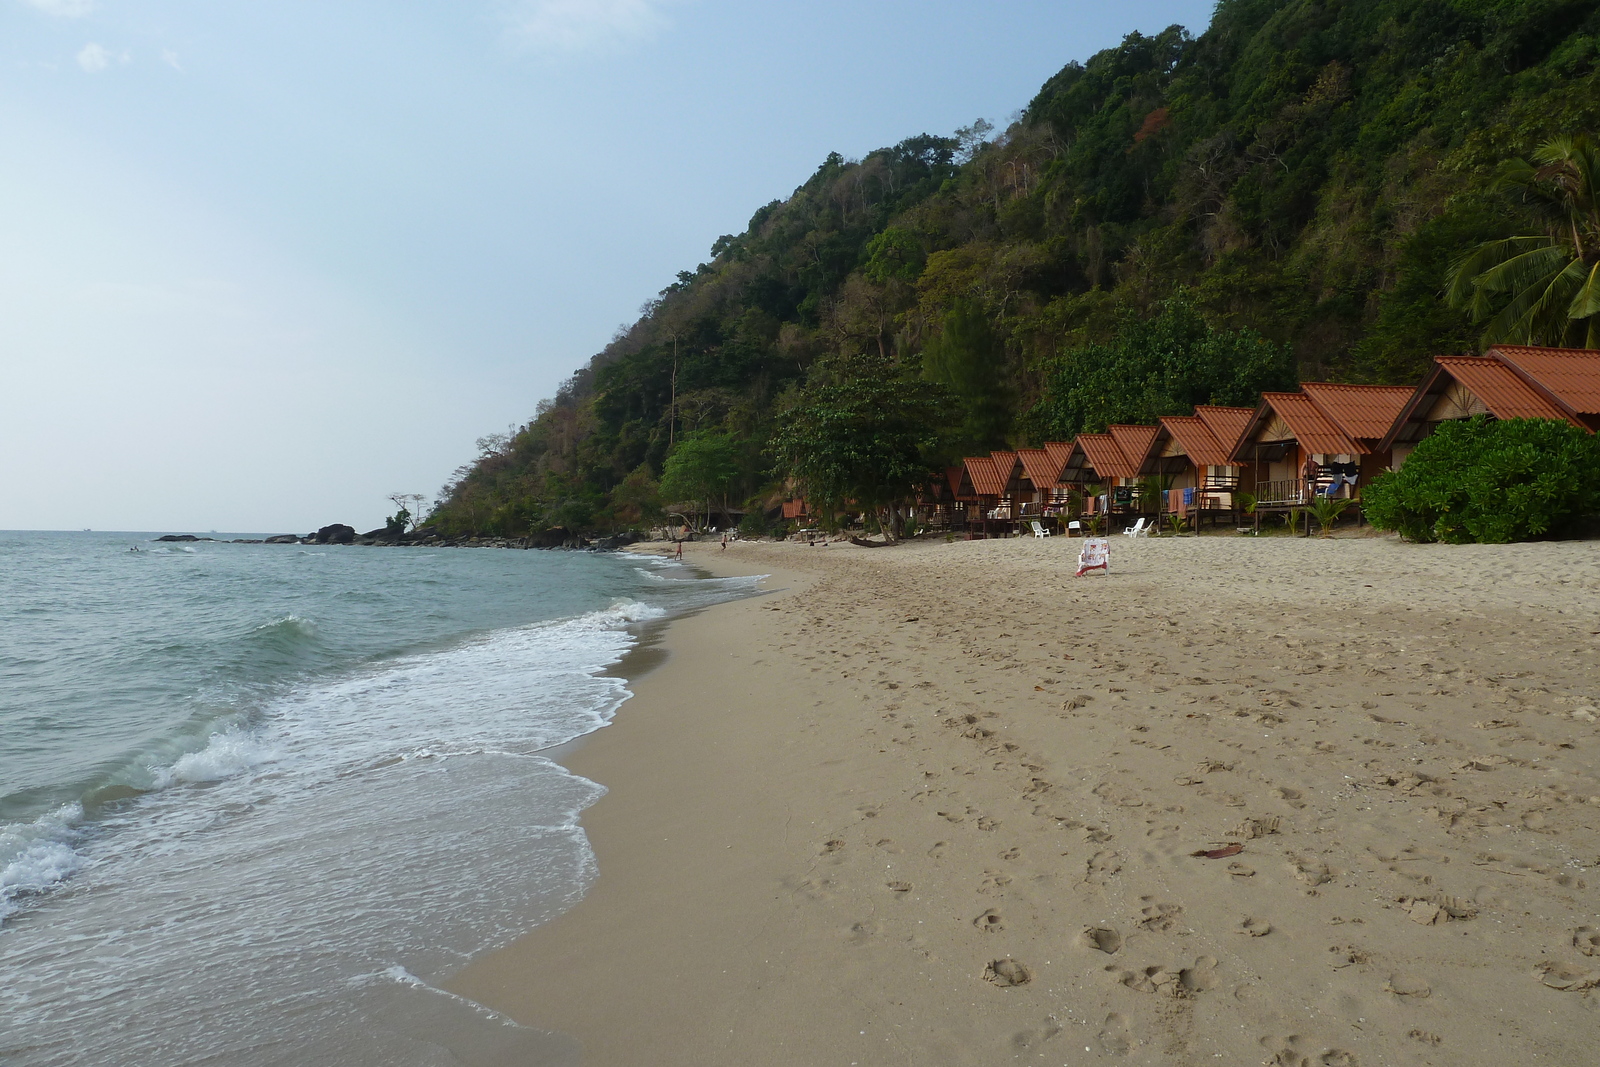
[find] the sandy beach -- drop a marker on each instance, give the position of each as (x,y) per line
(939,804)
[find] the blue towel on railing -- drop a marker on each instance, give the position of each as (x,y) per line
(1188,497)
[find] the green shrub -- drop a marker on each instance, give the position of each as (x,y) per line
(754,524)
(1491,482)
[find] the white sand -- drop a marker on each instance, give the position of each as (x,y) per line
(837,812)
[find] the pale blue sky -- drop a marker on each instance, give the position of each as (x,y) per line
(263,263)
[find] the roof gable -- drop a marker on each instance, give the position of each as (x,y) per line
(1039,468)
(1133,442)
(1226,424)
(1570,375)
(1195,440)
(982,476)
(1302,422)
(1103,456)
(1362,412)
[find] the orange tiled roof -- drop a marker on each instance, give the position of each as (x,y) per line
(1060,452)
(953,476)
(1040,469)
(1364,412)
(1308,425)
(1570,375)
(1103,456)
(1196,440)
(1500,388)
(986,481)
(1134,444)
(1226,424)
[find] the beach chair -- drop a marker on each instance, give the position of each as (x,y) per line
(1138,529)
(1038,530)
(1095,555)
(1074,528)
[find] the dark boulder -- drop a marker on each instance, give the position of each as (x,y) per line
(179,537)
(283,539)
(615,541)
(555,537)
(337,534)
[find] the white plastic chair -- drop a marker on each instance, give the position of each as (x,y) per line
(1138,529)
(1039,531)
(1074,528)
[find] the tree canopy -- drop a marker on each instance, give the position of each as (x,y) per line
(1299,177)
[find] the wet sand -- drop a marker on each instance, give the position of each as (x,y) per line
(938,803)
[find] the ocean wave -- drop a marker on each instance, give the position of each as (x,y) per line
(292,626)
(37,857)
(231,752)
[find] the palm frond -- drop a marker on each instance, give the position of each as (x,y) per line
(1465,268)
(1523,270)
(1587,300)
(1516,322)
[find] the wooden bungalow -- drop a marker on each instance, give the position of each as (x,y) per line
(1364,413)
(1508,382)
(1041,472)
(1295,448)
(1189,451)
(988,485)
(1098,459)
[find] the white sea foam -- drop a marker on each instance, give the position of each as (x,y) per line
(230,752)
(395,815)
(36,857)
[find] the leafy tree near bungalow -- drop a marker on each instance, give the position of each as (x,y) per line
(701,467)
(1305,171)
(1493,482)
(862,433)
(1163,365)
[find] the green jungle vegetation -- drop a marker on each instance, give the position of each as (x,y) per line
(1479,480)
(1309,189)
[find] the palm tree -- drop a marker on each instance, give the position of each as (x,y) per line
(1541,288)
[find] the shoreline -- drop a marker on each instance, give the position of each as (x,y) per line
(937,804)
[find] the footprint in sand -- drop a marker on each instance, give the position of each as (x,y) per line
(1114,1037)
(1102,866)
(818,888)
(862,932)
(1586,939)
(1255,927)
(1157,916)
(990,922)
(898,887)
(1310,870)
(1405,984)
(1291,796)
(1199,978)
(832,846)
(1568,977)
(1011,853)
(1025,1039)
(1101,938)
(1007,972)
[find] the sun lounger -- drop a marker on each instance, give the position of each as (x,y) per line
(1138,529)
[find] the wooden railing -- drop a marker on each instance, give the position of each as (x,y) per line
(1281,491)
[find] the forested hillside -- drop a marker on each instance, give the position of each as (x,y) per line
(1181,219)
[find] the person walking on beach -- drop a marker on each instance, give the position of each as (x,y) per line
(680,550)
(724,542)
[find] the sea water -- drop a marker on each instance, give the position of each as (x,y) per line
(256,801)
